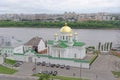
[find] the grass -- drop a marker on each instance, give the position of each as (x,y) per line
(61,77)
(116,74)
(93,59)
(5,70)
(115,53)
(9,61)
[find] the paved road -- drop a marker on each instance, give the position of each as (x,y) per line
(24,73)
(25,69)
(14,77)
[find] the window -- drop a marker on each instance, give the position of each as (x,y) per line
(63,37)
(74,55)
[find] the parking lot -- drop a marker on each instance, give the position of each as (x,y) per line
(99,70)
(42,67)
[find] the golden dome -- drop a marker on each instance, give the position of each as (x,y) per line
(65,29)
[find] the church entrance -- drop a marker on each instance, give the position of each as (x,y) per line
(30,59)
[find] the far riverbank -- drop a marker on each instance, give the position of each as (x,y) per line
(73,25)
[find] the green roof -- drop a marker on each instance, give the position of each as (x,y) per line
(18,54)
(50,42)
(63,44)
(78,44)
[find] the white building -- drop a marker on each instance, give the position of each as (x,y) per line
(66,45)
(8,45)
(63,49)
(36,44)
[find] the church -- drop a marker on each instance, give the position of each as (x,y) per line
(66,45)
(64,49)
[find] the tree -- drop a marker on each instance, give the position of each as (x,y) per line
(44,77)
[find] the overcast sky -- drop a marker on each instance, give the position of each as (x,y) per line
(59,6)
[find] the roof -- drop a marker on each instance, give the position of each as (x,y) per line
(65,29)
(34,41)
(63,44)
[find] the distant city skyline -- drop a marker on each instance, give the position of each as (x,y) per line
(59,6)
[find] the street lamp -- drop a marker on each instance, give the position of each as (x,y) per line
(35,65)
(80,67)
(34,68)
(4,56)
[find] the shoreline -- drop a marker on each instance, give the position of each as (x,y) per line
(59,28)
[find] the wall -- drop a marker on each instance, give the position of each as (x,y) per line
(18,49)
(50,60)
(1,59)
(66,62)
(41,45)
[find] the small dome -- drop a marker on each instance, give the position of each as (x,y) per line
(75,33)
(55,34)
(70,35)
(65,29)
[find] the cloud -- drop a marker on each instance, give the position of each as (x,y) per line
(58,6)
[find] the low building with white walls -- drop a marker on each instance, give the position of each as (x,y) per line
(10,45)
(36,43)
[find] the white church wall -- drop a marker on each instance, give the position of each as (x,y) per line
(71,52)
(41,59)
(41,45)
(70,63)
(18,57)
(50,60)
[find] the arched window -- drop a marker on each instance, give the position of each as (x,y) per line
(75,55)
(63,37)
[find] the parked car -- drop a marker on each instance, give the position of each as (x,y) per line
(43,63)
(52,65)
(40,71)
(54,73)
(62,66)
(51,72)
(38,63)
(19,62)
(16,65)
(47,64)
(67,67)
(57,65)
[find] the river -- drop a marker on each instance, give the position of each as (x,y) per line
(89,36)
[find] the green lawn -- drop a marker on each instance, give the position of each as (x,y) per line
(61,77)
(5,70)
(116,74)
(9,61)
